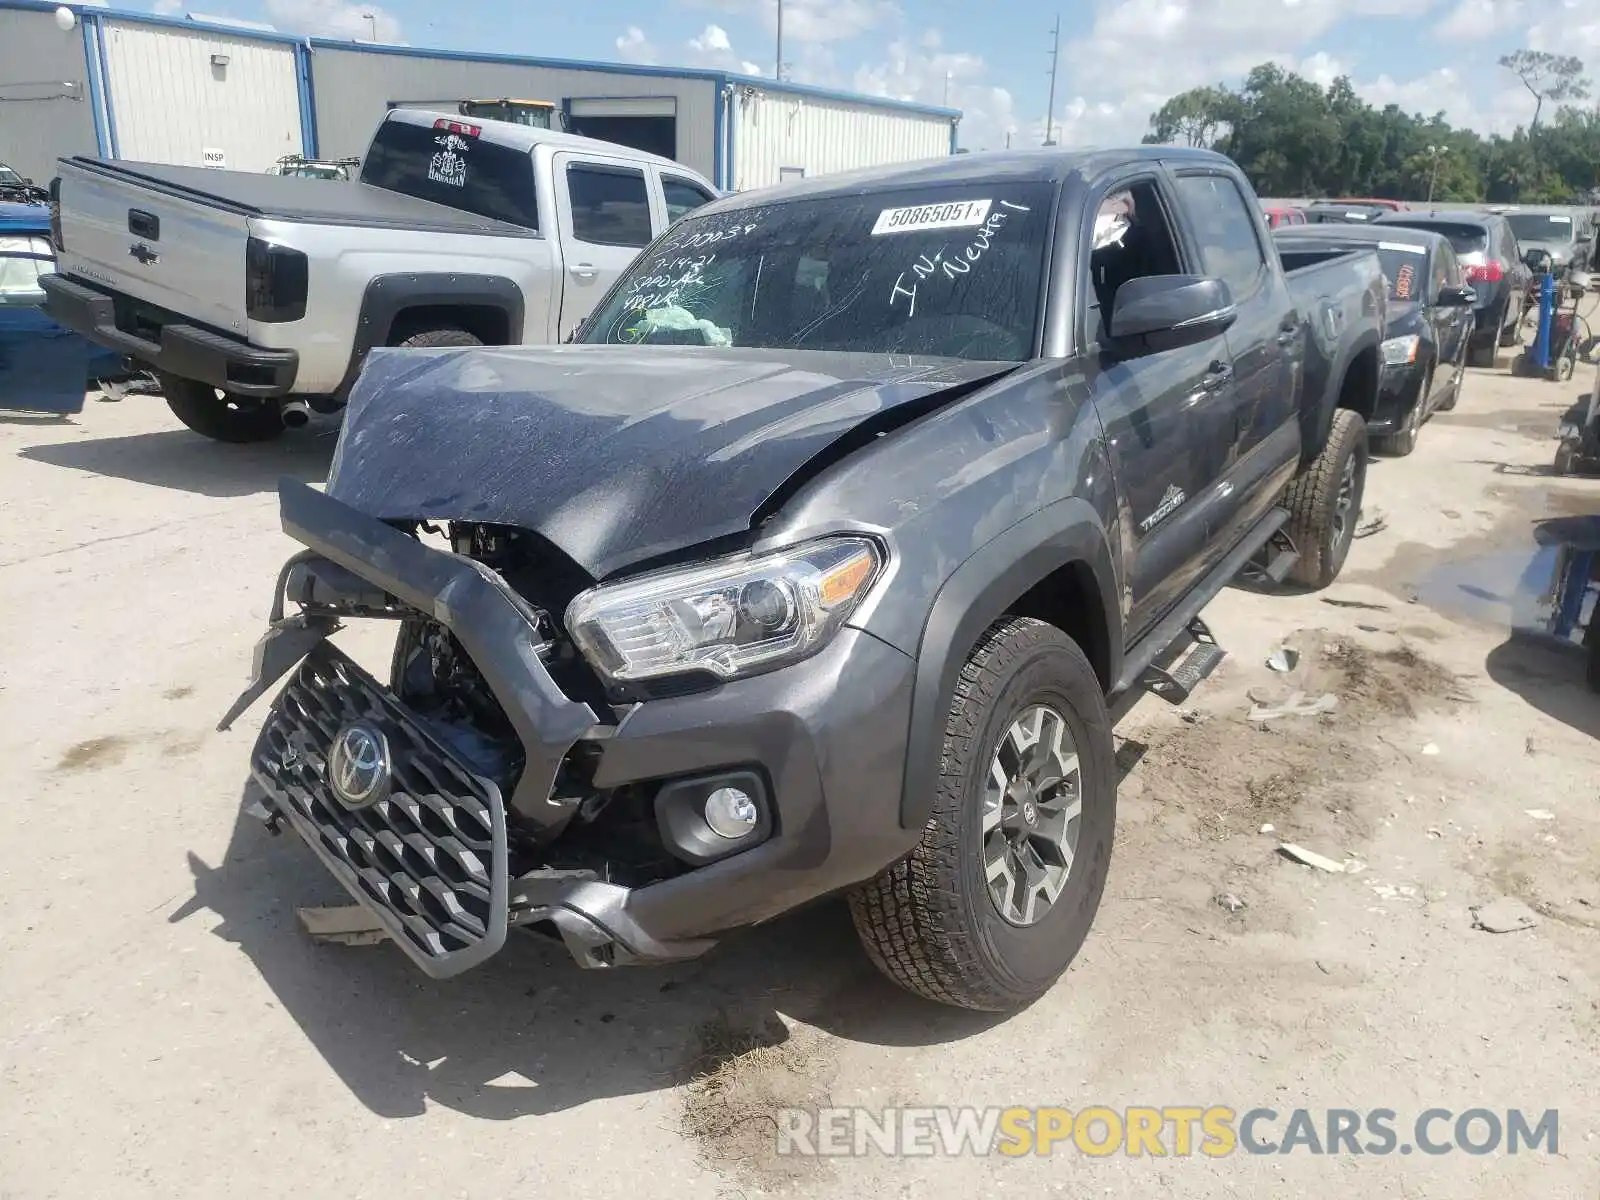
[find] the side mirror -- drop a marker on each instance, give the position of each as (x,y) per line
(1457,297)
(1163,312)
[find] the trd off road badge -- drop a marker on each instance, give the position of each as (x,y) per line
(1170,503)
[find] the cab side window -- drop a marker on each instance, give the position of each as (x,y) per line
(1226,231)
(1131,239)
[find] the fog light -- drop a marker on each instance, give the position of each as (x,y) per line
(731,813)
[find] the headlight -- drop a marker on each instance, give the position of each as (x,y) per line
(1399,350)
(738,616)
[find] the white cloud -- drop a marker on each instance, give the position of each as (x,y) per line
(921,69)
(1465,105)
(1474,20)
(812,20)
(335,18)
(713,50)
(167,8)
(634,47)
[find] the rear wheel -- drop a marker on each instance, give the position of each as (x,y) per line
(1325,502)
(219,416)
(447,336)
(1485,353)
(996,899)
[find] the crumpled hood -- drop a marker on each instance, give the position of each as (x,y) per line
(1559,252)
(615,454)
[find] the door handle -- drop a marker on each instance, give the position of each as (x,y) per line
(582,270)
(1220,375)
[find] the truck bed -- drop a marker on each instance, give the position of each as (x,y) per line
(292,198)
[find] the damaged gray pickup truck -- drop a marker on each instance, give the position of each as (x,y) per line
(819,565)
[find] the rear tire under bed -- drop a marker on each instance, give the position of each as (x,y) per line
(219,416)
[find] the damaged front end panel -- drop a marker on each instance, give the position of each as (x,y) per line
(454,804)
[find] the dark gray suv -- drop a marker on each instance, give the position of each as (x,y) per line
(1489,253)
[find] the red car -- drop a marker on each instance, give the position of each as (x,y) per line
(1278,218)
(1391,205)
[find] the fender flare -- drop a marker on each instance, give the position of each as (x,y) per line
(386,296)
(976,595)
(1328,402)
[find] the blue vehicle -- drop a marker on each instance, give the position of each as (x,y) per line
(43,367)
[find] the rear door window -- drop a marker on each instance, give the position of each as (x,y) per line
(1226,231)
(610,206)
(449,163)
(681,196)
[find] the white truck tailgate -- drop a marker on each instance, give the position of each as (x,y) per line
(180,254)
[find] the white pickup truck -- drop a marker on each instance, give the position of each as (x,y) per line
(257,297)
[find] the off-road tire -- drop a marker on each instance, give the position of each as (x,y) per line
(218,416)
(929,922)
(448,336)
(1404,440)
(1312,500)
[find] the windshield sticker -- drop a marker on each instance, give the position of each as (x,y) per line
(1402,247)
(1405,282)
(960,263)
(960,214)
(1560,220)
(449,165)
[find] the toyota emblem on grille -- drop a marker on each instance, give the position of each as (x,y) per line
(358,767)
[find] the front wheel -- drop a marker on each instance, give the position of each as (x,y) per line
(1325,502)
(219,416)
(1404,440)
(996,899)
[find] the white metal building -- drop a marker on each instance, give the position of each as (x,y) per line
(133,85)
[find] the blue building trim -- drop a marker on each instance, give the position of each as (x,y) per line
(105,83)
(733,137)
(91,73)
(308,98)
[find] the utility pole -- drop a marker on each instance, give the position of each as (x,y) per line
(778,74)
(947,75)
(1055,58)
(1434,152)
(372,23)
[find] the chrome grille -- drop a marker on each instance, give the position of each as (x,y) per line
(429,859)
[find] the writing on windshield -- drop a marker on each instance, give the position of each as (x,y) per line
(953,271)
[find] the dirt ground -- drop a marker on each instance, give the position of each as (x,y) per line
(169,1031)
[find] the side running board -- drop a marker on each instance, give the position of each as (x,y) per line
(1148,664)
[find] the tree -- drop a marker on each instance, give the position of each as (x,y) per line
(1193,117)
(1294,138)
(1553,77)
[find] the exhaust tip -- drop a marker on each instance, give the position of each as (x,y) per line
(296,415)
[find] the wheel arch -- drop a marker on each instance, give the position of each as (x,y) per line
(494,302)
(1055,566)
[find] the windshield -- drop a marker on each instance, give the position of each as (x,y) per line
(1405,267)
(1540,227)
(950,271)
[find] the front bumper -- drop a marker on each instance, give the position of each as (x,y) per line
(431,862)
(187,351)
(1399,387)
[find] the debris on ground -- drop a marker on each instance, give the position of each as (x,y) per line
(1268,828)
(1230,902)
(1283,659)
(1378,524)
(1393,891)
(1355,604)
(1311,858)
(1540,814)
(1505,915)
(346,925)
(1295,706)
(1430,749)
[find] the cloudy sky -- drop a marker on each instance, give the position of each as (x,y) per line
(1119,58)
